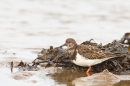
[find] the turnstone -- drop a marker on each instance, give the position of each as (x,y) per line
(125,39)
(85,55)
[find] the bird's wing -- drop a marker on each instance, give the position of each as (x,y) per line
(92,52)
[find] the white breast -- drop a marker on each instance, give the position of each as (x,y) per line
(82,61)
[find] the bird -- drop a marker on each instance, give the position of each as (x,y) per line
(86,55)
(125,39)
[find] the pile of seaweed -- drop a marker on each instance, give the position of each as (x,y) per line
(59,57)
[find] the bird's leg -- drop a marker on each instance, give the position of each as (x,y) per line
(87,72)
(89,69)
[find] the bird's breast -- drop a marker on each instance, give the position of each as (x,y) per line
(85,62)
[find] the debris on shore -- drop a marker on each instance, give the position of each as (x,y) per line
(59,57)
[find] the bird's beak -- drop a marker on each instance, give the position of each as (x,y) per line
(63,45)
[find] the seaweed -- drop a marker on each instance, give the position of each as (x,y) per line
(59,57)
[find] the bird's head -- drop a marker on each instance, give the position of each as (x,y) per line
(70,43)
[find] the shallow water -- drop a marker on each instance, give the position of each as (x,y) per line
(27,26)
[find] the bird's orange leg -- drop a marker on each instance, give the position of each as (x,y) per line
(87,72)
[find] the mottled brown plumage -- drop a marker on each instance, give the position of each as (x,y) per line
(88,51)
(86,55)
(125,39)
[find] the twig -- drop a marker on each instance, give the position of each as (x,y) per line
(11,65)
